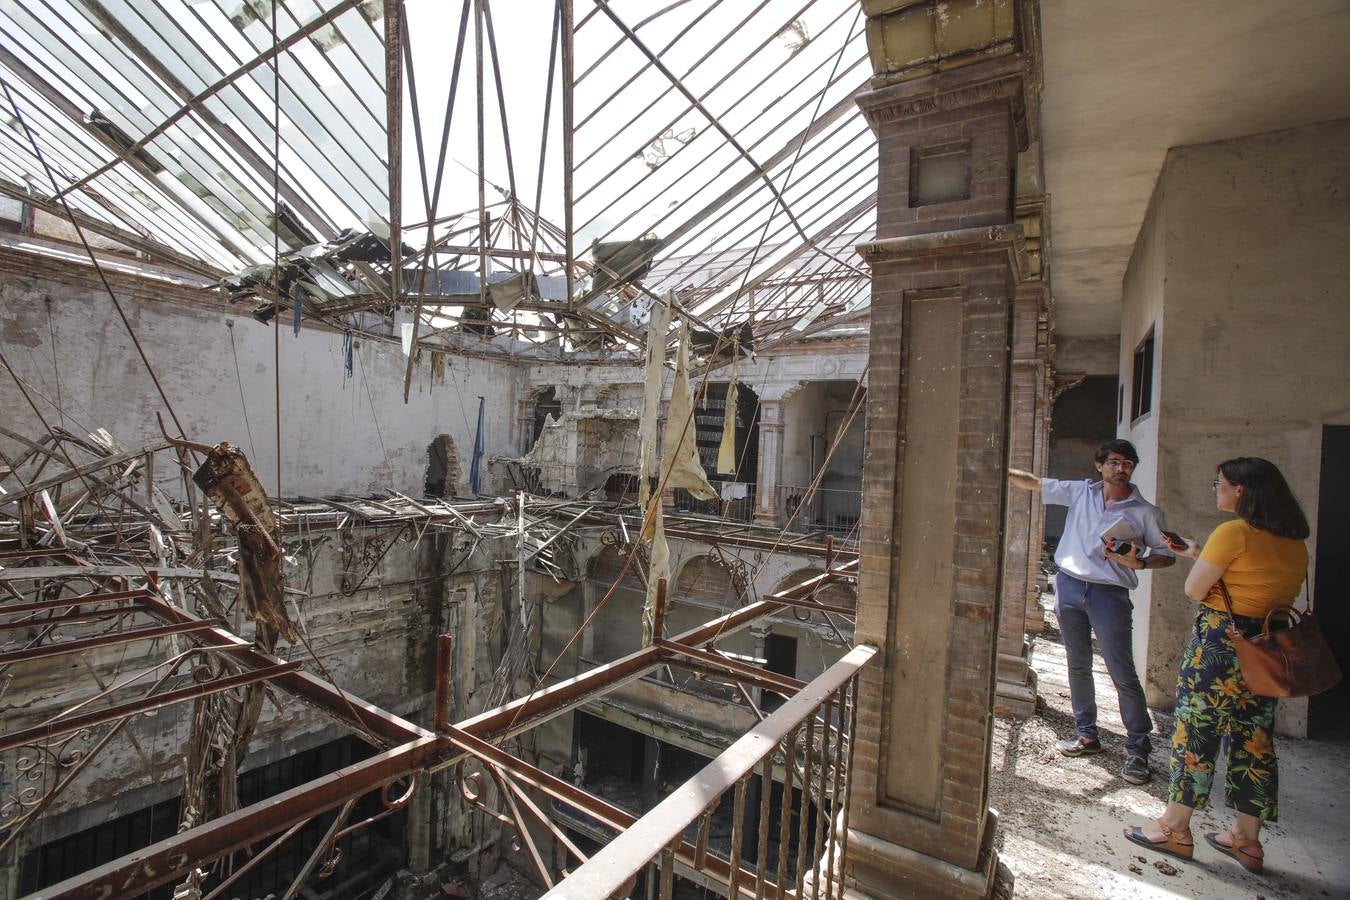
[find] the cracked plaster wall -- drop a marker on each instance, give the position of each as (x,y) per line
(339,435)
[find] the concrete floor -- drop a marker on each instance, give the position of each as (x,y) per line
(1061,819)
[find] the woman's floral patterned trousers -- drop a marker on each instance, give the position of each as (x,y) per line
(1214,707)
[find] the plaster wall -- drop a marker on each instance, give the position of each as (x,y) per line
(338,435)
(1142,312)
(1253,356)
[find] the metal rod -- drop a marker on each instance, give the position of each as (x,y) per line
(825,730)
(737,836)
(840,776)
(788,747)
(43,605)
(762,850)
(103,640)
(804,805)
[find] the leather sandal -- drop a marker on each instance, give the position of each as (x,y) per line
(1244,850)
(1174,843)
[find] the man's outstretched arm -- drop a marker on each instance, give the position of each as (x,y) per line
(1024,480)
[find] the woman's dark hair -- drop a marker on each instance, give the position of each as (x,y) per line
(1124,448)
(1266,502)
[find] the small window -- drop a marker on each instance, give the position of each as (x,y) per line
(940,173)
(1141,402)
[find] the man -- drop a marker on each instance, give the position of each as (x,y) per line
(1092,592)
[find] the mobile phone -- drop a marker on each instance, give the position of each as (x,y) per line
(1125,548)
(1173,539)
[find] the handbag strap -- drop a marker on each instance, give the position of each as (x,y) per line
(1228,605)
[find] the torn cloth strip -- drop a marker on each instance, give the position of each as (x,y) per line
(679,449)
(228,480)
(476,467)
(347,355)
(726,451)
(298,300)
(658,569)
(658,330)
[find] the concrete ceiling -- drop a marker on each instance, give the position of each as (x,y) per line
(1126,81)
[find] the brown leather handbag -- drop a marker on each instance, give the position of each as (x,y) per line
(1294,661)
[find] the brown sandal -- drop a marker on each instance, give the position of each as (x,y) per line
(1174,843)
(1240,849)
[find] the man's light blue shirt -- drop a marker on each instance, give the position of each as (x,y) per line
(1081,552)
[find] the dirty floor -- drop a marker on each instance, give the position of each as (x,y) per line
(1060,819)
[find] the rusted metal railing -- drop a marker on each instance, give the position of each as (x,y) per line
(802,833)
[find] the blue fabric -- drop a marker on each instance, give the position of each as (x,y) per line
(347,354)
(1084,608)
(475,469)
(1080,551)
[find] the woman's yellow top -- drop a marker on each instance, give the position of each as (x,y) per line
(1261,570)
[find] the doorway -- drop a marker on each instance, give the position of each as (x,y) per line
(1329,713)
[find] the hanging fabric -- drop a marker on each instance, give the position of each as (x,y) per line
(347,355)
(681,466)
(437,367)
(298,300)
(658,331)
(726,451)
(658,569)
(476,467)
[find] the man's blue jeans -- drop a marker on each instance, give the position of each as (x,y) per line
(1084,608)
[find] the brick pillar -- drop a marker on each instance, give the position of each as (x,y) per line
(1016,687)
(1045,393)
(770,461)
(945,267)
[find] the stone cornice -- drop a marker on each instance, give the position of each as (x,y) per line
(998,79)
(961,242)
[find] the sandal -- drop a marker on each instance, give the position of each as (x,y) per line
(1174,843)
(1240,849)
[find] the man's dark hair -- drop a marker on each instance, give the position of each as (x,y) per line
(1266,502)
(1116,445)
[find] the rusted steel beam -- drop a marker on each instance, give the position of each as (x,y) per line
(169,859)
(680,655)
(568,794)
(44,651)
(69,618)
(82,600)
(336,702)
(136,707)
(813,604)
(642,839)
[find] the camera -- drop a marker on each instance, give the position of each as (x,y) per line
(1125,548)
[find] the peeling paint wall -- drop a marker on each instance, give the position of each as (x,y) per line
(1252,361)
(339,435)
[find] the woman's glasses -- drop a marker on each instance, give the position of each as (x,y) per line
(1215,483)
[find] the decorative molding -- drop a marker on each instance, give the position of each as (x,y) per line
(1001,79)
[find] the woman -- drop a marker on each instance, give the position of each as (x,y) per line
(1261,558)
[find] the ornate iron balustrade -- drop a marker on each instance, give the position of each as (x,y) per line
(810,739)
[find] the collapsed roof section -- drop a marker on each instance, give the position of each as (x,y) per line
(707,150)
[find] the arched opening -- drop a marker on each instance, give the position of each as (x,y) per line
(443,469)
(546,405)
(735,489)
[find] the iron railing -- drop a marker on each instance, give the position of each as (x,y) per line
(741,509)
(831,509)
(809,741)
